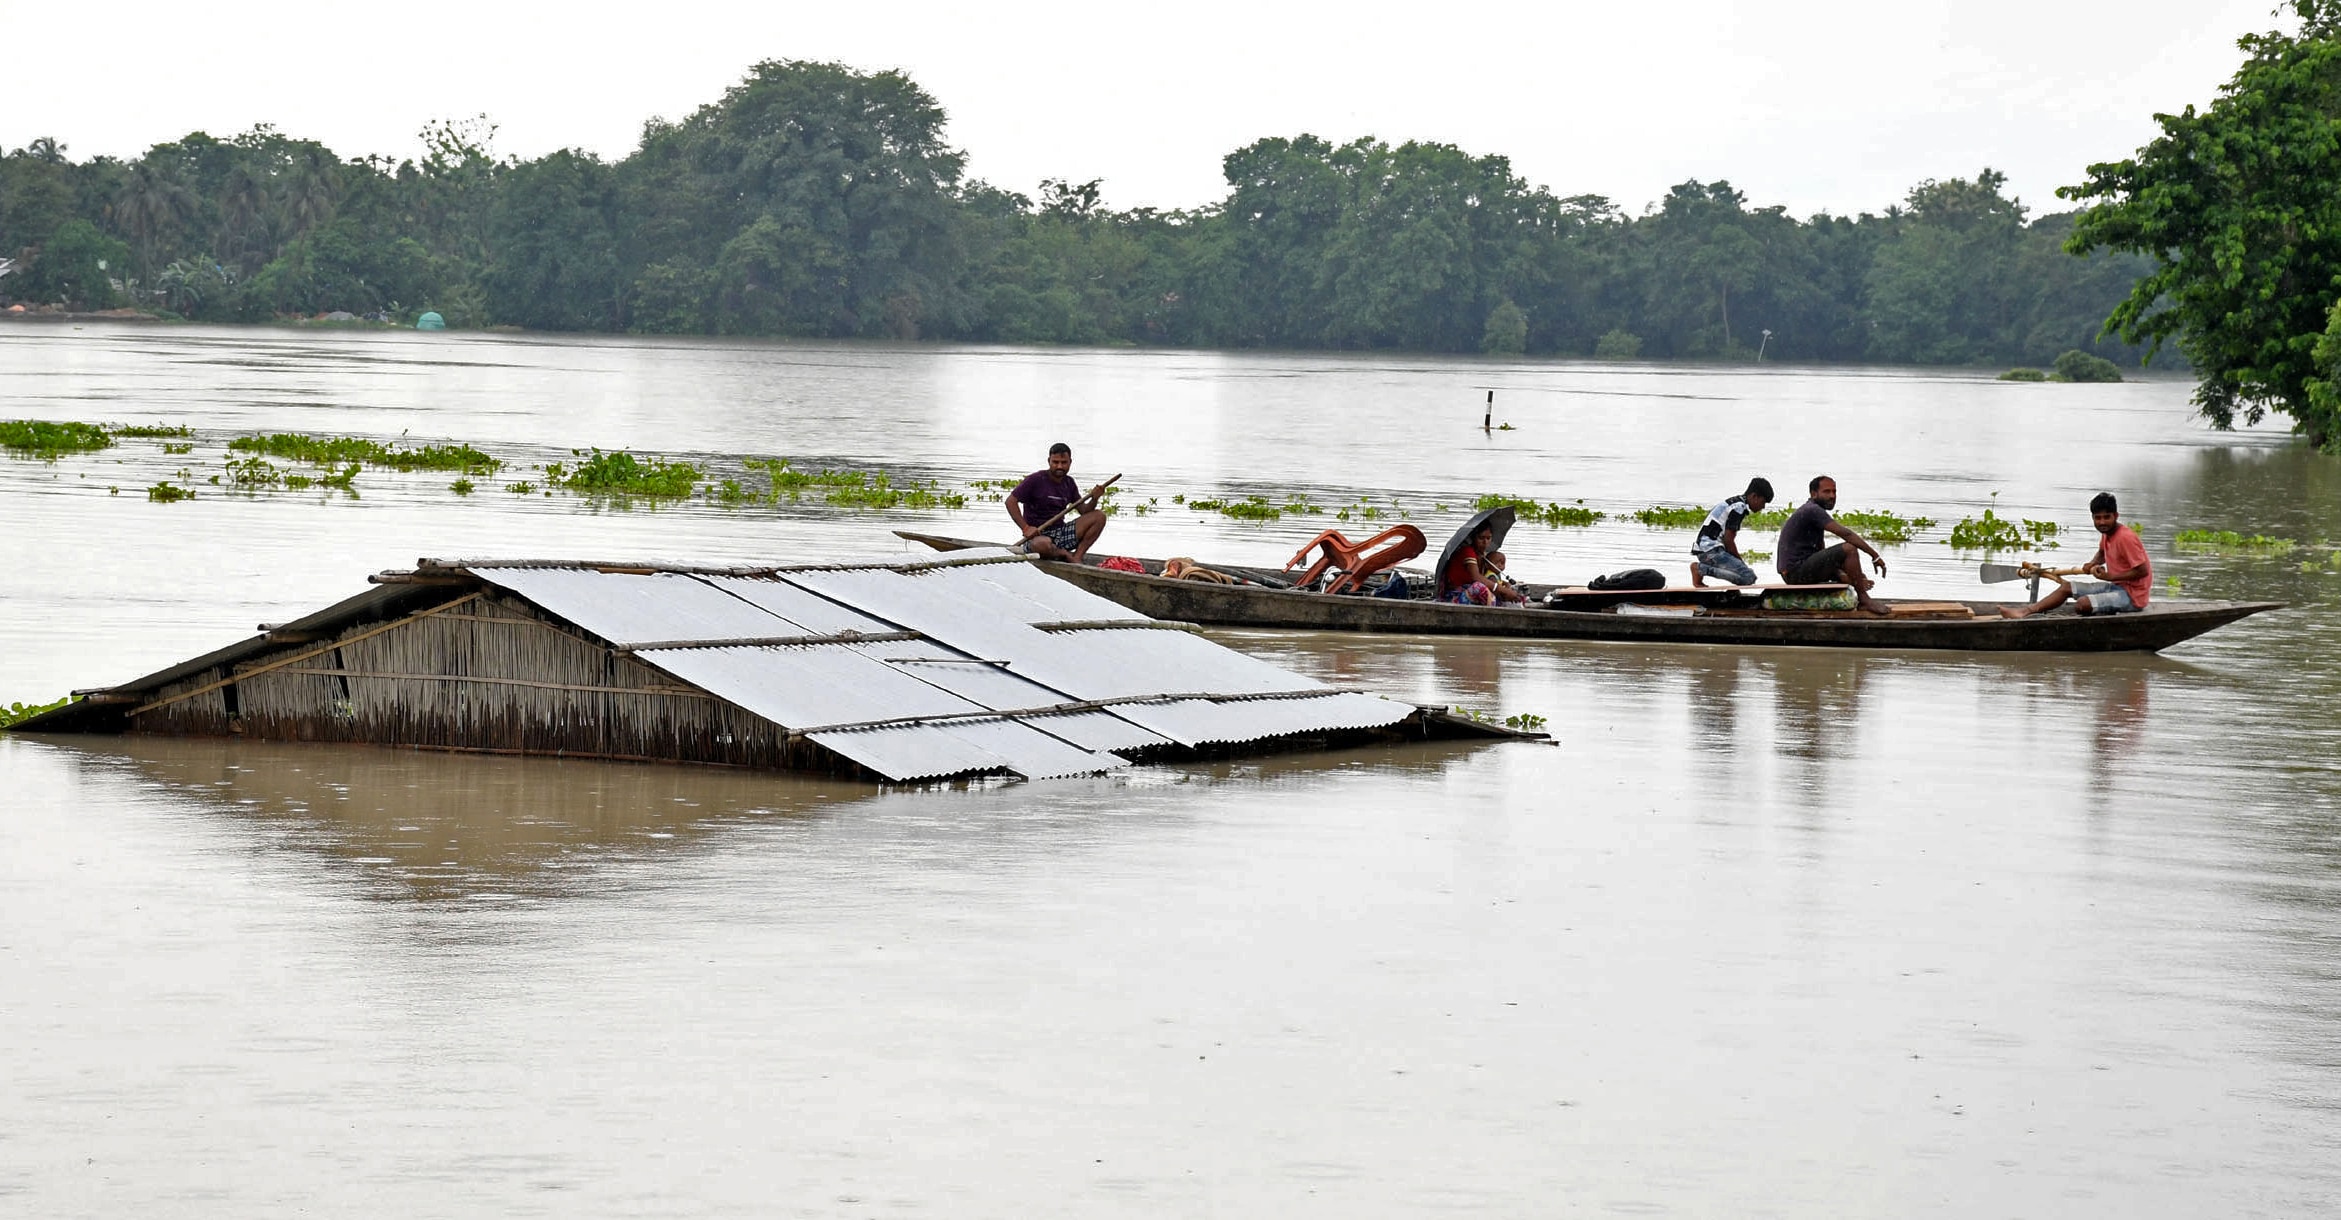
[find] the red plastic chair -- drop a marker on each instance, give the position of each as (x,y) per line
(1357,560)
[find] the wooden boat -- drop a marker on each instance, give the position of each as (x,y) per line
(1682,615)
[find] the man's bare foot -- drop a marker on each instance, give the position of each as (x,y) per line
(2015,611)
(1698,578)
(1874,606)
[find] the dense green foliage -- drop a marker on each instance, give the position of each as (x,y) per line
(2081,366)
(2240,207)
(816,200)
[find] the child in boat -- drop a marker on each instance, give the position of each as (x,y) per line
(1715,552)
(2120,560)
(1476,577)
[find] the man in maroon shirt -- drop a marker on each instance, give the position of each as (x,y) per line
(1044,493)
(2120,560)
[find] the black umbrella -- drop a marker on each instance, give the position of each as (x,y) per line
(1500,518)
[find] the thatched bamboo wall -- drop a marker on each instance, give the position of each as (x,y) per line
(486,673)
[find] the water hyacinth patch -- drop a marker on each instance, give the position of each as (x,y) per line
(2230,542)
(17,713)
(167,492)
(1555,515)
(1992,532)
(48,441)
(1250,508)
(1886,525)
(1670,516)
(155,430)
(620,473)
(336,451)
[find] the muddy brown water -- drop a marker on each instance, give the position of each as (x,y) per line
(1771,932)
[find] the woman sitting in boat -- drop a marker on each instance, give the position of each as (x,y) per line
(1476,577)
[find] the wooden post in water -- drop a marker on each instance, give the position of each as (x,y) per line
(1487,422)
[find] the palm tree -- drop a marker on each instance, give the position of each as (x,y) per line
(243,209)
(153,204)
(311,189)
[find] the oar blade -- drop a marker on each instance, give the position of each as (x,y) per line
(2001,573)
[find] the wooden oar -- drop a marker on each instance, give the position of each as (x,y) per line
(2001,573)
(1023,544)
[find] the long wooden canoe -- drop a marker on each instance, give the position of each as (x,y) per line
(1713,615)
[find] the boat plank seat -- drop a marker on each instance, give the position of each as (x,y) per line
(1356,560)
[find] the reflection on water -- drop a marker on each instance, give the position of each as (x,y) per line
(429,825)
(1801,932)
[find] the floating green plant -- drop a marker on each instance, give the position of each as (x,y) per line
(1992,532)
(46,440)
(17,713)
(167,492)
(879,492)
(253,472)
(1250,508)
(336,451)
(1526,722)
(2024,375)
(1886,525)
(989,485)
(521,488)
(620,473)
(461,487)
(1549,514)
(1670,516)
(2230,542)
(154,430)
(730,492)
(179,449)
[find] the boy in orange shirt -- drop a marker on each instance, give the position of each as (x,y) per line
(2120,560)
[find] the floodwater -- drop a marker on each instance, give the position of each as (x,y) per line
(1774,932)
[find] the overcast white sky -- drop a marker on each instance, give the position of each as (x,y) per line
(1830,104)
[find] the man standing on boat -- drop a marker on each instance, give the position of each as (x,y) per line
(1802,559)
(1716,550)
(2120,560)
(1058,521)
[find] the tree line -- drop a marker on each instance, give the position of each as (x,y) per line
(816,200)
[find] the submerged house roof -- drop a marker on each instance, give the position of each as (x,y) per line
(972,664)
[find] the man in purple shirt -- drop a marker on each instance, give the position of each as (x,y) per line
(1044,494)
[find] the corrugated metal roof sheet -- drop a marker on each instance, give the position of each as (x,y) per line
(1100,730)
(805,687)
(984,683)
(816,614)
(1030,752)
(624,608)
(962,747)
(929,607)
(1116,663)
(909,752)
(1102,664)
(1196,722)
(1030,595)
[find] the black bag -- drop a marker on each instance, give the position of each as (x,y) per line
(1394,587)
(1631,578)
